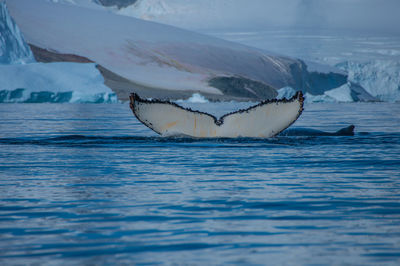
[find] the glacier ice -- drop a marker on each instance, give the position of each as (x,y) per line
(381,78)
(13,49)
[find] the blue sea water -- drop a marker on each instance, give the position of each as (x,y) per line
(88,184)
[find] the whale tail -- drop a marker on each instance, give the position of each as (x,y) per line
(346,131)
(263,120)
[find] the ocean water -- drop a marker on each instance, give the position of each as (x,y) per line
(88,184)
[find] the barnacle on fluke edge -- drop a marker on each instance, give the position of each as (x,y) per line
(266,119)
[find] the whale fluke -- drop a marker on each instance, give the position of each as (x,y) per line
(263,120)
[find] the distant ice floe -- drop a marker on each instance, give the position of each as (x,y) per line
(54,82)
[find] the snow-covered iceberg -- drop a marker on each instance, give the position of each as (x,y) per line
(158,56)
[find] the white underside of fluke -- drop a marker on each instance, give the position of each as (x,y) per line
(263,120)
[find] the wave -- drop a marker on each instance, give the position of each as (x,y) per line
(24,96)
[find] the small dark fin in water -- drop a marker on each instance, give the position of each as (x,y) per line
(347,131)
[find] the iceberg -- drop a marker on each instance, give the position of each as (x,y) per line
(13,48)
(342,94)
(348,92)
(53,82)
(381,78)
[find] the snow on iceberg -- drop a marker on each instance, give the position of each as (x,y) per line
(53,82)
(381,78)
(13,49)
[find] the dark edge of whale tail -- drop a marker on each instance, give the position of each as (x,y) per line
(300,97)
(133,98)
(347,131)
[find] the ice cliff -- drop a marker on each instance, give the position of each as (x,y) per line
(13,48)
(381,78)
